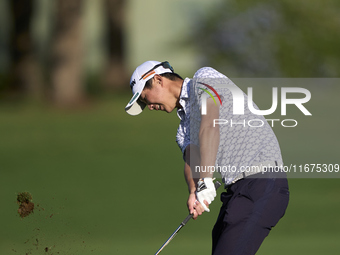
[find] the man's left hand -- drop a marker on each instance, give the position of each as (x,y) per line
(206,192)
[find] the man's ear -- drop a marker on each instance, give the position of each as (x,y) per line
(158,79)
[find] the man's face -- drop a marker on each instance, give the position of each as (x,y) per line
(158,97)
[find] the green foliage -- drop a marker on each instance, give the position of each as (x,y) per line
(264,38)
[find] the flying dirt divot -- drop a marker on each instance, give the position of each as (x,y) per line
(26,206)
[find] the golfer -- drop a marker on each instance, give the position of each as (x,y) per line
(241,147)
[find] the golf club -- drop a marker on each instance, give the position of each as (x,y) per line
(185,221)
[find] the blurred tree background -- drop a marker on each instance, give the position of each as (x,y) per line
(44,48)
(64,51)
(263,38)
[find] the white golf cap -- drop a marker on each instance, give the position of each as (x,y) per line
(140,76)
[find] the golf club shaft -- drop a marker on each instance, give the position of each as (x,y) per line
(185,221)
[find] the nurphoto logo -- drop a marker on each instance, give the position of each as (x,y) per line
(239,102)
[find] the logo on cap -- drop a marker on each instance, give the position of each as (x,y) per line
(133,83)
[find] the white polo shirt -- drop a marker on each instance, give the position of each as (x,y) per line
(241,145)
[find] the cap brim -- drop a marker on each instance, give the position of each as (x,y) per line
(135,108)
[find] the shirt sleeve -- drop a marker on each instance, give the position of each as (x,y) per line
(192,108)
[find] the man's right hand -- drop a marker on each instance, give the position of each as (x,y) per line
(194,206)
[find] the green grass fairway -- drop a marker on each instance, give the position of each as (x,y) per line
(109,183)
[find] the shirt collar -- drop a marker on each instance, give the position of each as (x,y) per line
(184,98)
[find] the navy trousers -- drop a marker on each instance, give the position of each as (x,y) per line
(251,207)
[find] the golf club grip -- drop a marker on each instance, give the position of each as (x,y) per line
(217,184)
(185,221)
